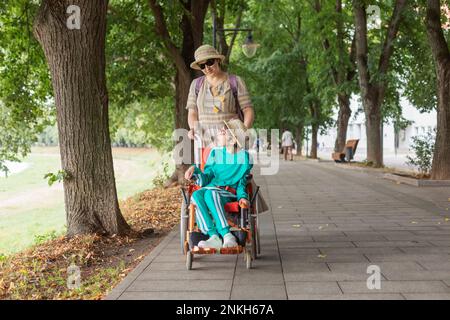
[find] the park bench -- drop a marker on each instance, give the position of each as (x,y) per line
(347,154)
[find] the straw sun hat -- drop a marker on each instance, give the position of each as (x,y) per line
(204,53)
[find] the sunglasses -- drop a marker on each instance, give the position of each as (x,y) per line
(208,63)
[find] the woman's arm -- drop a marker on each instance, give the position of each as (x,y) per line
(193,122)
(249,117)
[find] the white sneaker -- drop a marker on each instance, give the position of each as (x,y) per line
(213,242)
(229,240)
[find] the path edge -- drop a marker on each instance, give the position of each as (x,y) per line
(119,289)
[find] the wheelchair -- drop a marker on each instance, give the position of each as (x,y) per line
(244,224)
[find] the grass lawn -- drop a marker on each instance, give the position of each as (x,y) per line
(30,210)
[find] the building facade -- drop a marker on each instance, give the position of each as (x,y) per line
(421,123)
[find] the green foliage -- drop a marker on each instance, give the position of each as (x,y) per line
(423,147)
(58,177)
(413,62)
(40,239)
(162,177)
(139,77)
(136,67)
(149,122)
(24,81)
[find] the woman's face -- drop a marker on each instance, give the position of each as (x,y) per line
(211,70)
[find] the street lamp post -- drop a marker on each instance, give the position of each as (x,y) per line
(249,47)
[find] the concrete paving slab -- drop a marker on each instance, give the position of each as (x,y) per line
(317,243)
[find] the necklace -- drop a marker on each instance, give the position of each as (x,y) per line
(215,93)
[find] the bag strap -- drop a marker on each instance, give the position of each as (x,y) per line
(234,88)
(198,84)
(233,85)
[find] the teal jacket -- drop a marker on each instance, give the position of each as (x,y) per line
(225,169)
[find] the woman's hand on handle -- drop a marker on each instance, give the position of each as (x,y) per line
(189,172)
(244,203)
(191,134)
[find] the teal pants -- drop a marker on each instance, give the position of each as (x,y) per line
(210,210)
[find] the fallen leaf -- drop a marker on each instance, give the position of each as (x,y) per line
(414,222)
(296,225)
(322,256)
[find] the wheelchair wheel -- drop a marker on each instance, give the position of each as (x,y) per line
(189,259)
(253,231)
(258,243)
(248,259)
(183,225)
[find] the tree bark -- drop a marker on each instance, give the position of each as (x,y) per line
(373,133)
(299,139)
(342,122)
(76,59)
(441,158)
(314,129)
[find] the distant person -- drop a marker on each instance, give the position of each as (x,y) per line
(257,146)
(287,142)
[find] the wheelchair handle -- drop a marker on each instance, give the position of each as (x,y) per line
(186,199)
(254,196)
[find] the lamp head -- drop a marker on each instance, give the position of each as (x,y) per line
(249,47)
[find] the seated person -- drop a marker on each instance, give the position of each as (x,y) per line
(228,165)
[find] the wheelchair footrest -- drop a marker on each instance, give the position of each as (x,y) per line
(198,250)
(232,250)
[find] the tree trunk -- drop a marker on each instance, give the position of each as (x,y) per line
(440,169)
(182,84)
(77,64)
(373,133)
(315,130)
(299,139)
(342,122)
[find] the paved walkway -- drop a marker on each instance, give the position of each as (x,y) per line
(327,225)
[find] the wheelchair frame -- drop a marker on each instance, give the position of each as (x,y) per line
(244,226)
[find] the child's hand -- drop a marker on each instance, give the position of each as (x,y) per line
(189,172)
(244,203)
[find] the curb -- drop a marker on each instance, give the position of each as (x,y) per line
(417,182)
(117,291)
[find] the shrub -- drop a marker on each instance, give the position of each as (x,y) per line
(423,148)
(162,177)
